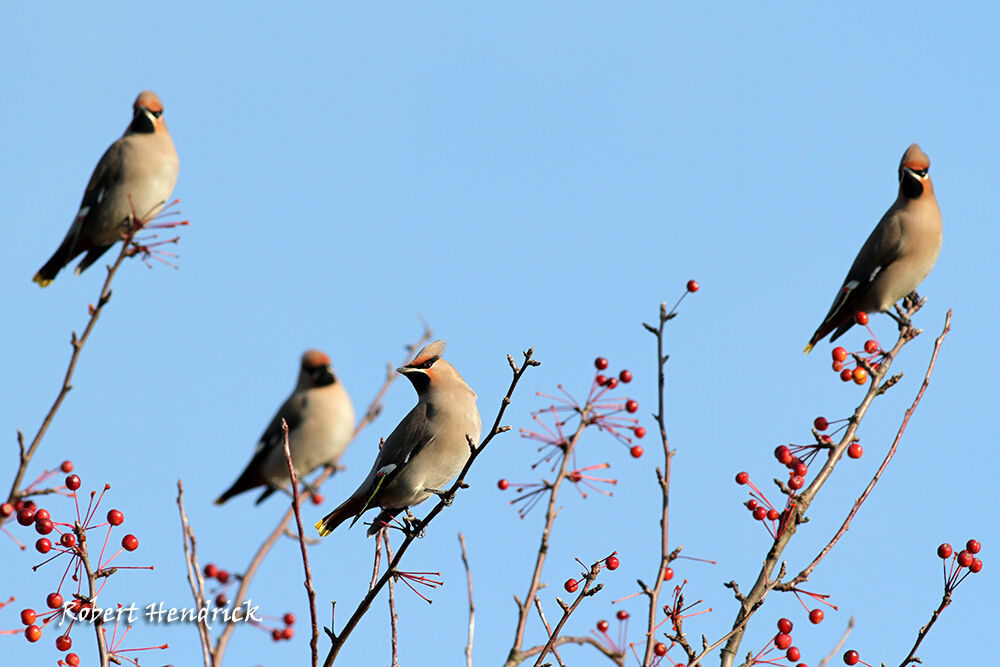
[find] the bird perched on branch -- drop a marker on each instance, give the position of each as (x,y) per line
(424,452)
(320,421)
(898,255)
(134,177)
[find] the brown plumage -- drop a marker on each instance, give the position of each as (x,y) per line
(898,255)
(136,174)
(320,421)
(424,452)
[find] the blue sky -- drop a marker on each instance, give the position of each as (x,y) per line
(519,175)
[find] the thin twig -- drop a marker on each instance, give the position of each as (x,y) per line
(548,628)
(371,413)
(663,478)
(393,616)
(310,592)
(81,550)
(839,645)
(338,639)
(472,604)
(911,656)
(25,456)
(586,591)
(194,577)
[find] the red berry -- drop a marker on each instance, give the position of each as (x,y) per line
(131,543)
(625,376)
(33,633)
(211,570)
(54,600)
(317,498)
(861,317)
(838,366)
(6,509)
(26,516)
(43,545)
(631,406)
(64,643)
(855,451)
(640,432)
(839,354)
(276,635)
(973,546)
(851,657)
(668,574)
(944,551)
(575,476)
(602,626)
(73,482)
(503,484)
(784,625)
(611,382)
(42,515)
(66,466)
(570,585)
(660,649)
(821,423)
(871,347)
(601,380)
(760,513)
(621,615)
(801,469)
(783,454)
(222,576)
(976,565)
(783,640)
(860,375)
(221,600)
(612,562)
(115,517)
(742,477)
(846,375)
(964,558)
(793,654)
(773,514)
(816,616)
(796,482)
(73,660)
(28,616)
(287,633)
(600,363)
(636,451)
(693,286)
(43,527)
(289,618)
(793,464)
(751,504)
(68,540)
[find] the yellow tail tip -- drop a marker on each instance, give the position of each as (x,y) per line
(321,527)
(808,349)
(43,282)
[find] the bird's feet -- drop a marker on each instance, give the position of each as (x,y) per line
(448,497)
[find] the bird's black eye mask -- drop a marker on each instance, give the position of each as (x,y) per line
(425,365)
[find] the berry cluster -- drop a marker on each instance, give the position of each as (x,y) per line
(782,641)
(611,562)
(213,571)
(71,539)
(870,356)
(613,645)
(761,508)
(963,563)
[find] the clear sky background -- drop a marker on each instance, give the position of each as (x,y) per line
(520,175)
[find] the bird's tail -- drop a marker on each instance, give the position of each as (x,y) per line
(59,259)
(352,507)
(809,348)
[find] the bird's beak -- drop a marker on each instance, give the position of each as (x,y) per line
(327,376)
(403,370)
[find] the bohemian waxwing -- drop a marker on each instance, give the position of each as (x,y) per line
(424,452)
(897,256)
(136,174)
(320,421)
